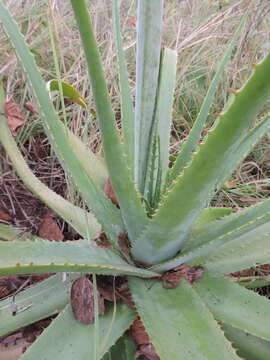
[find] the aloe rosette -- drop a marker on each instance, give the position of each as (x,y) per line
(164,212)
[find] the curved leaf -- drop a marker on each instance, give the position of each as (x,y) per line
(178,323)
(74,340)
(68,91)
(28,257)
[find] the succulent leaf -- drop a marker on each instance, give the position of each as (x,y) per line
(237,309)
(170,228)
(28,257)
(178,323)
(72,339)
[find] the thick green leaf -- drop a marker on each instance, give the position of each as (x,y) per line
(158,161)
(238,255)
(248,347)
(178,322)
(127,108)
(231,226)
(235,305)
(68,91)
(190,145)
(246,143)
(236,250)
(147,71)
(35,303)
(74,340)
(28,257)
(209,215)
(93,164)
(170,228)
(106,213)
(133,212)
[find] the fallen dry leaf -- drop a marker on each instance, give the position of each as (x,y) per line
(14,115)
(4,216)
(82,300)
(190,273)
(49,229)
(171,279)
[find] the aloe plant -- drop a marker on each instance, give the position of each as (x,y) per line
(178,250)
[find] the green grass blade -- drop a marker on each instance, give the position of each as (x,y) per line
(35,303)
(185,154)
(247,346)
(178,322)
(243,309)
(106,213)
(28,257)
(147,72)
(127,108)
(133,212)
(74,340)
(68,91)
(171,226)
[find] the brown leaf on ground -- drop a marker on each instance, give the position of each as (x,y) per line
(49,228)
(138,333)
(109,192)
(30,107)
(171,279)
(148,351)
(14,115)
(190,273)
(82,300)
(4,216)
